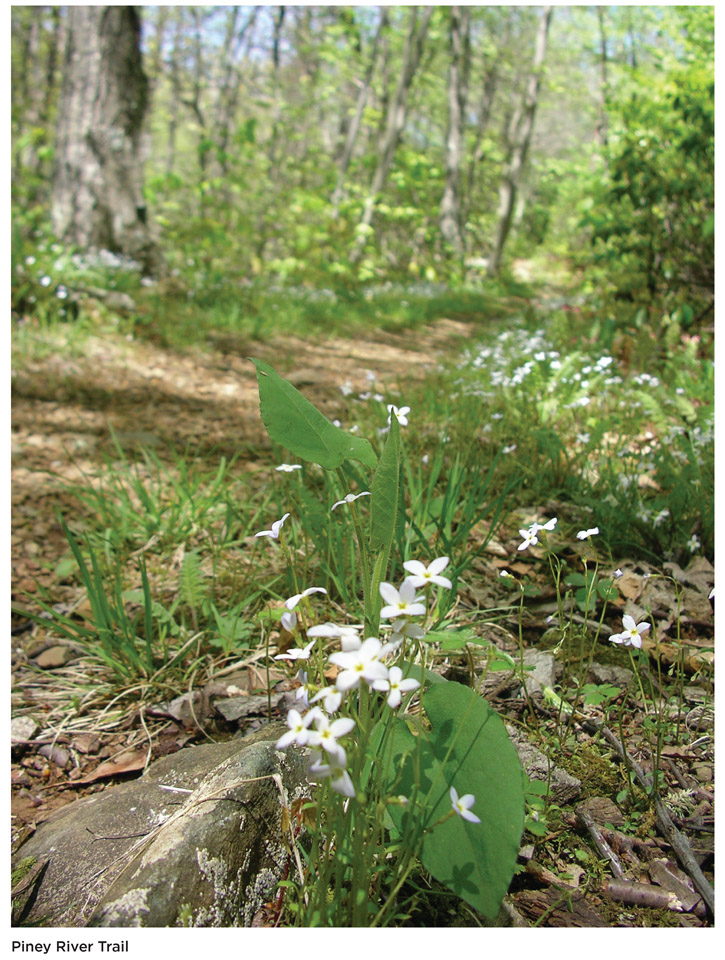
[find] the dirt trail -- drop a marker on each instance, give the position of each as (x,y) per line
(65,408)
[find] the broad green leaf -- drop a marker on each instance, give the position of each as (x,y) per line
(296,424)
(467,748)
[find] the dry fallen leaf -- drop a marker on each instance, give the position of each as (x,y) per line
(127,763)
(629,585)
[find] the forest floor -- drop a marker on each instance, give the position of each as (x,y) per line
(66,410)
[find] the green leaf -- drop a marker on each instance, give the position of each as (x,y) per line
(467,748)
(455,639)
(296,424)
(386,492)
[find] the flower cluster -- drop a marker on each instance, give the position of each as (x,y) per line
(361,663)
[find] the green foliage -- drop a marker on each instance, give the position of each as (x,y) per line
(294,423)
(651,217)
(590,590)
(596,694)
(137,503)
(131,646)
(387,514)
(467,744)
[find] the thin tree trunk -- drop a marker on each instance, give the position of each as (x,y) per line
(395,122)
(52,63)
(175,78)
(485,106)
(229,88)
(477,154)
(602,125)
(522,126)
(354,129)
(277,94)
(98,199)
(458,69)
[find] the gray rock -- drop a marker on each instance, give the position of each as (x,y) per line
(610,673)
(564,786)
(235,708)
(196,841)
(543,670)
(22,729)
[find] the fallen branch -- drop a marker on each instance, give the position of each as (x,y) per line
(600,843)
(647,895)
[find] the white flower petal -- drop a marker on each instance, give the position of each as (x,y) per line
(415,567)
(389,593)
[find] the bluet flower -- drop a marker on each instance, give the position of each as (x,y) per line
(403,629)
(276,527)
(303,691)
(298,728)
(421,576)
(462,806)
(356,665)
(339,777)
(326,734)
(288,467)
(349,639)
(661,517)
(396,686)
(585,534)
(402,603)
(401,414)
(348,498)
(297,653)
(531,536)
(293,601)
(331,699)
(631,635)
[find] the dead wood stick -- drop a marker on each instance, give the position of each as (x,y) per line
(601,844)
(647,895)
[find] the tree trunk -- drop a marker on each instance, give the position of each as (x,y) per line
(98,200)
(228,94)
(522,126)
(354,128)
(601,131)
(175,78)
(485,106)
(477,153)
(395,122)
(458,68)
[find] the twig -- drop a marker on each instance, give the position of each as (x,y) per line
(601,844)
(647,895)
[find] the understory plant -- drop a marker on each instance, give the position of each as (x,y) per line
(414,773)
